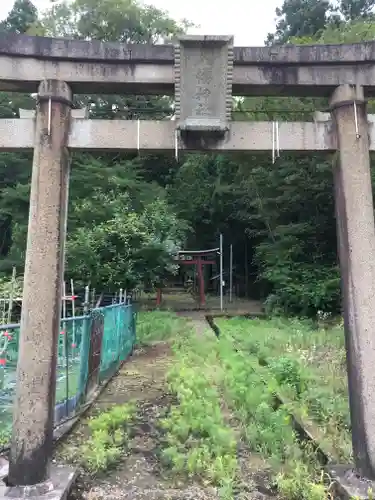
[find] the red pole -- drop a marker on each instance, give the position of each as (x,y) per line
(158,297)
(201,283)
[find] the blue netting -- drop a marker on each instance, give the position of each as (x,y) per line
(73,359)
(71,364)
(118,337)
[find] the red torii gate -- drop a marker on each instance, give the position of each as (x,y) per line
(199,258)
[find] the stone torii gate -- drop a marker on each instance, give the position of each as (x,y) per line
(203,73)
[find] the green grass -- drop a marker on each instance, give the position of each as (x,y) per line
(198,440)
(309,367)
(107,440)
(224,393)
(158,326)
(74,375)
(224,402)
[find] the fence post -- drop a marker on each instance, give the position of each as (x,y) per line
(85,346)
(134,323)
(119,330)
(95,350)
(11,295)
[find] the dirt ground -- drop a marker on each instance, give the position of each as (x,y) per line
(139,475)
(179,300)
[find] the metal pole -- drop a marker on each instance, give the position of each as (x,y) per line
(11,296)
(73,314)
(86,305)
(3,315)
(85,344)
(231,273)
(65,349)
(202,299)
(64,316)
(221,272)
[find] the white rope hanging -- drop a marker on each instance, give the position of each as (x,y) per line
(176,144)
(49,116)
(138,135)
(357,134)
(275,141)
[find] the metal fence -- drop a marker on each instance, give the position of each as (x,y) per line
(90,350)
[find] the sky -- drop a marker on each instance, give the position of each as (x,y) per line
(248,20)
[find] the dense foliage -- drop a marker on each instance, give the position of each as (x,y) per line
(128,215)
(121,229)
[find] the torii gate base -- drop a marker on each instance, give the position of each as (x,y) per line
(203,97)
(57,487)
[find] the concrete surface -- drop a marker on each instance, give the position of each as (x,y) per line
(203,83)
(103,67)
(75,113)
(348,485)
(114,135)
(356,246)
(96,51)
(18,133)
(57,487)
(34,402)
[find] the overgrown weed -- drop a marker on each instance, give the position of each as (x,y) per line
(250,388)
(109,436)
(199,440)
(309,366)
(159,326)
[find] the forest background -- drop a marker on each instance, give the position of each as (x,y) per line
(129,214)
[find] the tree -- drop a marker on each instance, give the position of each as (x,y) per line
(125,21)
(356,31)
(298,18)
(111,206)
(128,248)
(356,9)
(296,245)
(14,167)
(128,214)
(121,231)
(21,18)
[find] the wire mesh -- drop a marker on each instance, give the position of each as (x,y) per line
(70,361)
(118,338)
(73,352)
